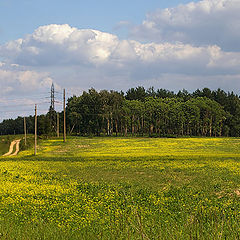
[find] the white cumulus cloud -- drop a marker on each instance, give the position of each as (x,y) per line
(207,22)
(62,45)
(16,81)
(189,46)
(83,58)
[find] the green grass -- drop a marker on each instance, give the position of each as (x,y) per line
(122,188)
(4,144)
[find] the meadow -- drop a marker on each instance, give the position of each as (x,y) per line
(122,188)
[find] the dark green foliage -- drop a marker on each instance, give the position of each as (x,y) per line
(142,112)
(138,93)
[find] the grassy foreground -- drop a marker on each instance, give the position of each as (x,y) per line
(122,188)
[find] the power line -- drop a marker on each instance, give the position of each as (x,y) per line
(7,104)
(15,111)
(19,105)
(24,98)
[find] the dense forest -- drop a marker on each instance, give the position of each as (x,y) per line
(141,112)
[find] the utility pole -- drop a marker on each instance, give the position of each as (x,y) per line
(25,131)
(64,116)
(35,145)
(58,125)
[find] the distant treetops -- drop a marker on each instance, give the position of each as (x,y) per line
(142,112)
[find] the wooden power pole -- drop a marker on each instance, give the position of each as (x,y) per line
(64,116)
(25,131)
(58,125)
(35,145)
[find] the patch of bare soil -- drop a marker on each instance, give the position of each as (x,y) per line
(83,146)
(237,192)
(10,152)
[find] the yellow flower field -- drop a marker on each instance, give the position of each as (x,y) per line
(122,188)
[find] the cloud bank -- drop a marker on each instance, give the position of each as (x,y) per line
(190,46)
(207,22)
(65,46)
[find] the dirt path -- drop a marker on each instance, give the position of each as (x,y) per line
(17,148)
(13,143)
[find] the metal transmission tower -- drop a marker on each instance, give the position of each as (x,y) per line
(52,112)
(52,98)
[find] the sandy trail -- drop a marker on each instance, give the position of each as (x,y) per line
(17,148)
(9,153)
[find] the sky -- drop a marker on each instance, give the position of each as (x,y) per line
(177,44)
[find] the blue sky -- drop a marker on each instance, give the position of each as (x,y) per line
(82,44)
(21,17)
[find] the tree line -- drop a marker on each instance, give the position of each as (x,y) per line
(141,112)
